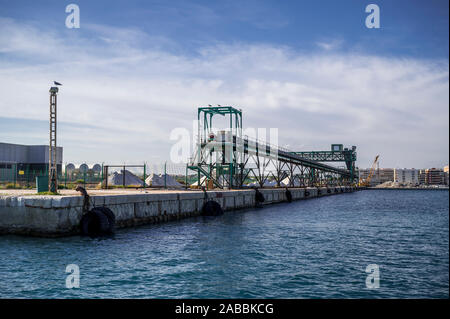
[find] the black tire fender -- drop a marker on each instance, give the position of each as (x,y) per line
(109,215)
(97,223)
(211,208)
(288,195)
(259,197)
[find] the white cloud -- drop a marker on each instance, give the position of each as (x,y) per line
(131,96)
(330,45)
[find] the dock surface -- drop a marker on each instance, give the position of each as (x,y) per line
(25,213)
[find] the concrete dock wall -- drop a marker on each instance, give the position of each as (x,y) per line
(52,216)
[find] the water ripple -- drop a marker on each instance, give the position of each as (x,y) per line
(309,249)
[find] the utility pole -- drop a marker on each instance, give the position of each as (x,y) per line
(52,150)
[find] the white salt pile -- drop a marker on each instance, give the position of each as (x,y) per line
(162,180)
(286,182)
(266,184)
(202,181)
(169,181)
(154,180)
(389,185)
(116,179)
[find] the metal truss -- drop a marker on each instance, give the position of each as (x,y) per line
(225,159)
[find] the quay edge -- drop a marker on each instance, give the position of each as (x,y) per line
(57,216)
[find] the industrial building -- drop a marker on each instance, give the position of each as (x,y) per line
(24,162)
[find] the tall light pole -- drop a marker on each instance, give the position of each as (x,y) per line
(52,156)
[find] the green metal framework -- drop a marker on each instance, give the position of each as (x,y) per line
(222,169)
(337,154)
(227,159)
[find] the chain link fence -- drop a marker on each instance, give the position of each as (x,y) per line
(157,175)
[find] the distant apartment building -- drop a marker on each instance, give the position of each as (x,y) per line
(406,175)
(379,176)
(364,174)
(422,177)
(434,176)
(431,176)
(446,172)
(385,175)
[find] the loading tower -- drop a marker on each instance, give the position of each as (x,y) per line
(226,159)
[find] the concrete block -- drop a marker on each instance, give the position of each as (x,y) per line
(151,197)
(199,204)
(122,212)
(61,202)
(268,196)
(297,193)
(76,201)
(98,200)
(249,200)
(135,198)
(188,205)
(239,201)
(191,195)
(169,207)
(4,201)
(74,215)
(168,197)
(146,209)
(312,191)
(228,202)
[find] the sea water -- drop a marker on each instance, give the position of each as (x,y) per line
(315,248)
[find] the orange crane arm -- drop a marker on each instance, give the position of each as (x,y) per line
(366,182)
(372,170)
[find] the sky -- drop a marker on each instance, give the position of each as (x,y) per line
(136,70)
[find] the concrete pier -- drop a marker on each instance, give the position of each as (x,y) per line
(54,216)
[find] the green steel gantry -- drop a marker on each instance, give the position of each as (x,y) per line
(337,154)
(225,165)
(226,159)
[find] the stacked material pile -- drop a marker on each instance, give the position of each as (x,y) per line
(266,184)
(116,179)
(202,181)
(169,181)
(154,180)
(286,182)
(394,185)
(388,185)
(205,182)
(162,180)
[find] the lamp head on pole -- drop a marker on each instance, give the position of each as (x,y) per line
(54,89)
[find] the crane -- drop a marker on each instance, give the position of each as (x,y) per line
(366,182)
